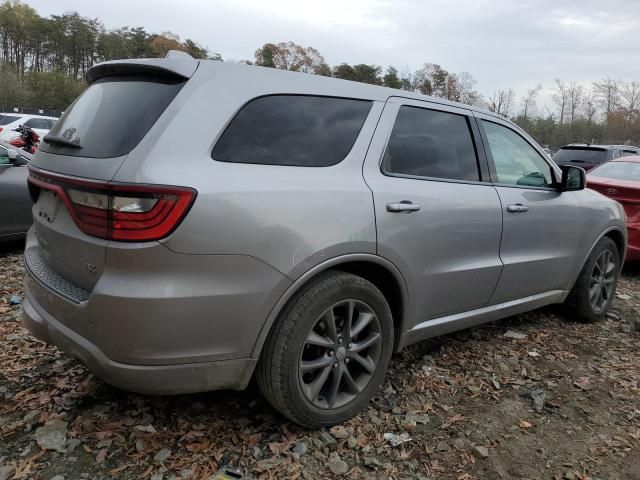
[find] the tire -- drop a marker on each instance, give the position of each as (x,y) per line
(301,352)
(579,303)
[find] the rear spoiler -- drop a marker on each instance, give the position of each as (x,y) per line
(175,64)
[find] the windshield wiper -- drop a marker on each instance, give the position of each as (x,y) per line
(61,141)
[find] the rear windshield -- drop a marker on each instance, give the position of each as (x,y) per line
(618,171)
(294,130)
(110,118)
(41,123)
(589,155)
(7,119)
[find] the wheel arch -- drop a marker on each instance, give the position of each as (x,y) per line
(619,239)
(374,268)
(618,236)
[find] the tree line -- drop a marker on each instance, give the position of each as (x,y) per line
(43,61)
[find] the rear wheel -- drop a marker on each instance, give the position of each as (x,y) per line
(328,352)
(595,287)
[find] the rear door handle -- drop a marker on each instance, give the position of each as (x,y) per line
(517,208)
(404,206)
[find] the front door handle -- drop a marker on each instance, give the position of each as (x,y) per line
(517,208)
(404,206)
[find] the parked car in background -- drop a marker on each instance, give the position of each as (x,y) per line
(9,122)
(588,156)
(311,227)
(620,180)
(627,150)
(15,202)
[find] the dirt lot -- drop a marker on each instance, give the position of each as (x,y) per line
(466,403)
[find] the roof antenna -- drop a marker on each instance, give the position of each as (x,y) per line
(177,54)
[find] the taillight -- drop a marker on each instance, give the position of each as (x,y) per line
(130,213)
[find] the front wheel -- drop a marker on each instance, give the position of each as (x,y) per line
(595,287)
(328,352)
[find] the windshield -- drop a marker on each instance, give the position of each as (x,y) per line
(110,118)
(588,155)
(618,171)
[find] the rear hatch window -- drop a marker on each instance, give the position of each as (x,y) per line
(580,155)
(110,118)
(7,119)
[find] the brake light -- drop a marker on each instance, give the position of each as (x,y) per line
(122,212)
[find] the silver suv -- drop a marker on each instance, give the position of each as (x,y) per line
(199,223)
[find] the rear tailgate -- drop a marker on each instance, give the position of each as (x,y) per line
(86,147)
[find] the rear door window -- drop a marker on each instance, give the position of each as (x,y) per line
(110,118)
(431,144)
(294,130)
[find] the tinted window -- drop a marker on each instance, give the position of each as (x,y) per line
(293,130)
(41,123)
(580,155)
(618,171)
(7,119)
(429,143)
(516,162)
(112,115)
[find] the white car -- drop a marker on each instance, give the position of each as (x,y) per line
(10,121)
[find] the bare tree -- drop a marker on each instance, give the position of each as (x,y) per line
(501,102)
(529,100)
(561,98)
(589,105)
(574,100)
(630,96)
(607,95)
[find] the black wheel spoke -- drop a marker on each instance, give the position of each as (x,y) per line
(313,388)
(593,292)
(314,339)
(330,321)
(311,365)
(365,343)
(363,320)
(349,382)
(348,321)
(334,386)
(365,362)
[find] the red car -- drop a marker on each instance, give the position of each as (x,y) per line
(620,179)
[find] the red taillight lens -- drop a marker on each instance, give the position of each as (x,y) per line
(133,213)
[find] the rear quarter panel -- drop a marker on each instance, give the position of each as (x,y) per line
(289,217)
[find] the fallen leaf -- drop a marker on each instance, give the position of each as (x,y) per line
(524,424)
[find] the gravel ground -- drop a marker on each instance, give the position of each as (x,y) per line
(531,397)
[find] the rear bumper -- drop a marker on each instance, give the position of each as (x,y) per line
(156,322)
(148,379)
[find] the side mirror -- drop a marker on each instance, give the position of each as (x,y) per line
(13,155)
(573,178)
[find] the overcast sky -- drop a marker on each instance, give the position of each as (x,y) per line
(502,43)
